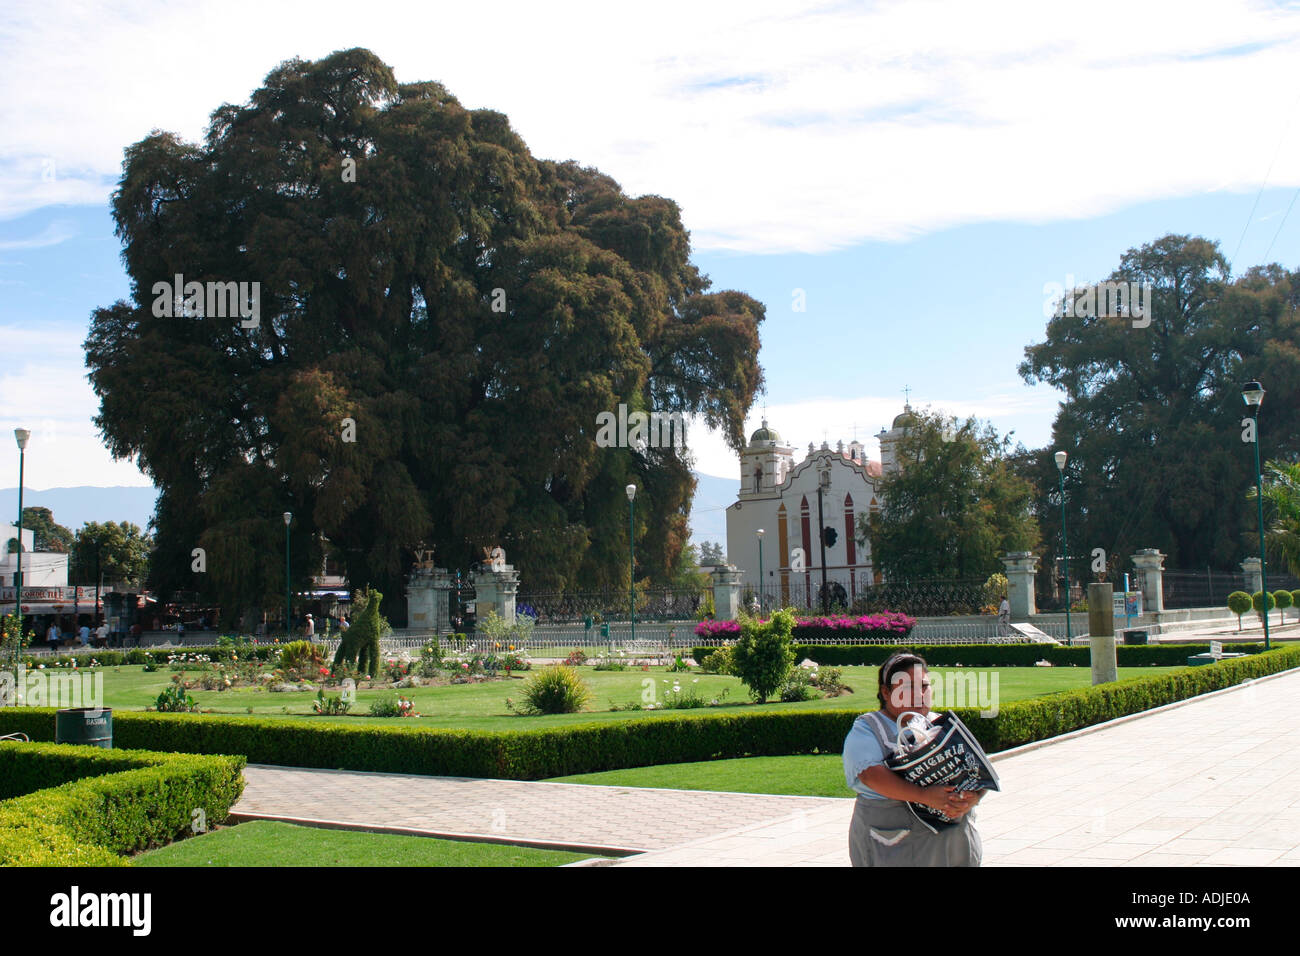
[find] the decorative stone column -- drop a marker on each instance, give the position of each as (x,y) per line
(726,592)
(428,598)
(1150,564)
(496,588)
(1252,575)
(1101,633)
(1021,566)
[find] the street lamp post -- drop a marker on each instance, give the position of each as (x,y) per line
(631,554)
(1253,393)
(823,484)
(759,532)
(1060,457)
(21,434)
(288,604)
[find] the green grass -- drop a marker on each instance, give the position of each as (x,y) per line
(271,843)
(482,706)
(818,775)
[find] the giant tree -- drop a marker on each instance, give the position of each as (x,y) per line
(441,318)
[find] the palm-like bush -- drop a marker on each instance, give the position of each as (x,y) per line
(1281,484)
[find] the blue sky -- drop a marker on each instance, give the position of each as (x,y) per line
(920,170)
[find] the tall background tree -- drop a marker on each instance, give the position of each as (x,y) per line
(954,506)
(469,308)
(1151,418)
(47,535)
(121,549)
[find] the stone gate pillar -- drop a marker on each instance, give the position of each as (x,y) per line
(1021,567)
(726,592)
(428,598)
(1252,575)
(496,588)
(1150,564)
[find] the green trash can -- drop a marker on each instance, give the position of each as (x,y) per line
(1135,637)
(89,726)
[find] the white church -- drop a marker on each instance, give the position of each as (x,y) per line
(778,505)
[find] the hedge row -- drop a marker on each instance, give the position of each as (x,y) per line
(996,655)
(120,801)
(586,748)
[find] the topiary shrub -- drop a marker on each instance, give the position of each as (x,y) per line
(360,645)
(553,690)
(763,655)
(1283,600)
(1239,603)
(1262,603)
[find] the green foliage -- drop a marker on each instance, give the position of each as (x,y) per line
(175,699)
(47,535)
(12,643)
(1262,602)
(679,665)
(715,660)
(359,647)
(332,706)
(762,656)
(385,705)
(829,681)
(83,805)
(430,659)
(398,329)
(954,508)
(1158,418)
(124,552)
(706,611)
(1283,599)
(1239,602)
(554,690)
(797,686)
(299,655)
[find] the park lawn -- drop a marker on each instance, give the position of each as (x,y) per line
(272,843)
(810,775)
(482,706)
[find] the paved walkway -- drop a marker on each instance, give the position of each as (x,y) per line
(1213,781)
(617,820)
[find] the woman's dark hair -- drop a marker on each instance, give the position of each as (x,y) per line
(896,664)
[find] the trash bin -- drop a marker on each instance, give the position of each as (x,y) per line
(1135,637)
(90,726)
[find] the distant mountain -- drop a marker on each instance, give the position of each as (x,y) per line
(73,507)
(713,496)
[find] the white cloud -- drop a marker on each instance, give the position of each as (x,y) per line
(779,126)
(51,235)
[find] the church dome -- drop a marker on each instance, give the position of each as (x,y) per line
(906,419)
(764,434)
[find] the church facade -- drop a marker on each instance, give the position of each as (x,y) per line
(779,497)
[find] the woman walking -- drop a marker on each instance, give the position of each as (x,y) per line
(884,831)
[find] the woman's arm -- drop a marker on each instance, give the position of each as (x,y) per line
(889,784)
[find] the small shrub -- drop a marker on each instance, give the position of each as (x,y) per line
(577,657)
(797,686)
(385,705)
(174,700)
(430,659)
(679,665)
(763,654)
(827,680)
(1283,600)
(331,706)
(554,690)
(1239,603)
(718,662)
(1262,603)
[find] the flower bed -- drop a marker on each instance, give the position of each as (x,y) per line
(811,630)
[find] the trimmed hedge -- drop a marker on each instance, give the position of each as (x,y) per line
(120,801)
(591,747)
(995,655)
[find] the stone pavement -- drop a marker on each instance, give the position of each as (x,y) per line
(1213,781)
(608,820)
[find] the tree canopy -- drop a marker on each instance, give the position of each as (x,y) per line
(469,308)
(954,507)
(47,535)
(124,551)
(1152,416)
